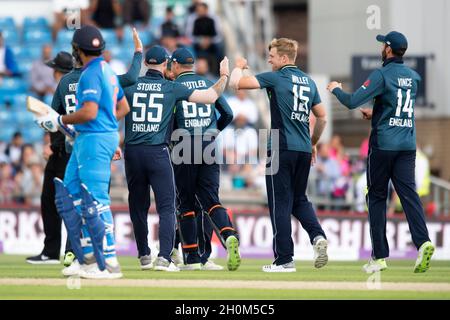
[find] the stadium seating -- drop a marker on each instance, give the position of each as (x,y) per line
(109,36)
(7,23)
(11,37)
(37,37)
(35,23)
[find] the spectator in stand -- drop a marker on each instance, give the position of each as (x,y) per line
(136,13)
(42,81)
(6,180)
(337,152)
(239,146)
(169,42)
(169,26)
(14,151)
(326,171)
(206,34)
(106,13)
(31,180)
(242,104)
(69,13)
(8,64)
(117,65)
(202,68)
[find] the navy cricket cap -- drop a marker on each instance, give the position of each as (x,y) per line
(63,62)
(156,55)
(394,39)
(183,56)
(88,38)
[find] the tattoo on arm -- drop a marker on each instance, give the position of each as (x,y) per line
(220,85)
(318,130)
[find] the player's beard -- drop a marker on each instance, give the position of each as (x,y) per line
(383,55)
(76,55)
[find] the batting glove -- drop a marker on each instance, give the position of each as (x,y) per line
(49,122)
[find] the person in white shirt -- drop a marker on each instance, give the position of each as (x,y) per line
(242,104)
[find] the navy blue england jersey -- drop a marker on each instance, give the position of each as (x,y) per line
(152,101)
(393,89)
(198,118)
(292,94)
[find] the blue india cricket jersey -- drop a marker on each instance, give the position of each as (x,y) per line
(99,84)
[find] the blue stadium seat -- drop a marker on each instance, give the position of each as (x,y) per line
(27,53)
(67,47)
(37,37)
(25,67)
(12,86)
(6,116)
(7,23)
(35,23)
(19,102)
(7,132)
(145,36)
(33,134)
(64,37)
(10,36)
(23,118)
(109,35)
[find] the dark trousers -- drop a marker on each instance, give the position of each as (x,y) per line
(398,166)
(198,190)
(145,167)
(204,233)
(55,167)
(286,192)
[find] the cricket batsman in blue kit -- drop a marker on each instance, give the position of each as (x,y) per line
(83,198)
(392,148)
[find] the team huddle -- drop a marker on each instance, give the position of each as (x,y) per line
(170,98)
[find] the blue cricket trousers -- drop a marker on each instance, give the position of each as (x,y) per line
(150,166)
(398,166)
(286,193)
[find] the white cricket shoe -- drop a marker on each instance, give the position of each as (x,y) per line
(176,257)
(146,262)
(190,267)
(72,270)
(287,267)
(375,265)
(211,266)
(93,272)
(320,245)
(162,264)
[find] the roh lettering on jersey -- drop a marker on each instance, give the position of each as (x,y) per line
(149,86)
(399,122)
(145,127)
(195,84)
(73,87)
(300,80)
(405,82)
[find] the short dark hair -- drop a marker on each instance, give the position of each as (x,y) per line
(399,52)
(95,53)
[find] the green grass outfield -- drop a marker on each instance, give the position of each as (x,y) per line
(19,280)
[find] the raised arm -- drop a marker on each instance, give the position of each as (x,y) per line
(369,90)
(130,78)
(211,94)
(239,81)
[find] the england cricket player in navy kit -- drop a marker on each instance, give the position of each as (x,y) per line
(198,125)
(293,96)
(148,129)
(392,148)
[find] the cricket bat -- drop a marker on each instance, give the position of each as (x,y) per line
(39,109)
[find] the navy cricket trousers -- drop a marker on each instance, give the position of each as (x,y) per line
(286,193)
(145,167)
(398,166)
